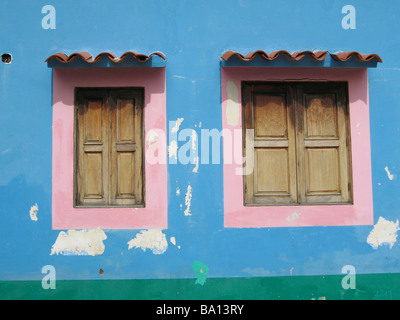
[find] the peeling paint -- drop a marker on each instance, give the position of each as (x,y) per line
(33,211)
(177,125)
(80,242)
(172,149)
(152,136)
(384,232)
(196,167)
(293,217)
(178,191)
(173,241)
(358,130)
(152,239)
(232,107)
(194,141)
(390,176)
(188,200)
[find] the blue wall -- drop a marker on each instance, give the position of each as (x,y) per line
(192,35)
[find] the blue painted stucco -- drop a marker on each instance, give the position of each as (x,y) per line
(192,35)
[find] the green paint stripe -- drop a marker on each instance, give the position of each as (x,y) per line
(376,286)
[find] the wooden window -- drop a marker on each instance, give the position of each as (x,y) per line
(301,143)
(109,147)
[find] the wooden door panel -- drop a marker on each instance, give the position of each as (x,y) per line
(125,120)
(93,121)
(93,169)
(321,115)
(272,174)
(270,116)
(322,170)
(125,174)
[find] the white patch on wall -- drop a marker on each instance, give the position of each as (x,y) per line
(196,167)
(177,125)
(172,149)
(390,176)
(232,107)
(194,141)
(152,239)
(173,241)
(384,232)
(178,191)
(80,242)
(152,136)
(188,200)
(293,217)
(33,211)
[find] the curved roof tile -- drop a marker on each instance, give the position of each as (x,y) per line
(87,57)
(298,55)
(344,56)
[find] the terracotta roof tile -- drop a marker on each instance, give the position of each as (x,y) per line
(344,56)
(298,55)
(87,57)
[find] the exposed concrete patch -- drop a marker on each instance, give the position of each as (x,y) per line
(177,125)
(188,200)
(152,136)
(173,241)
(390,176)
(152,239)
(172,149)
(196,167)
(80,242)
(293,217)
(33,211)
(384,232)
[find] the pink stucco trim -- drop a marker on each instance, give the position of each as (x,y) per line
(65,216)
(236,215)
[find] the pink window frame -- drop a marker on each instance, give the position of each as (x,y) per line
(64,214)
(236,215)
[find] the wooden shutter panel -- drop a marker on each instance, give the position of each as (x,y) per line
(126,147)
(268,110)
(108,150)
(323,143)
(91,148)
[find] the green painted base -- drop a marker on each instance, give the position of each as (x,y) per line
(368,287)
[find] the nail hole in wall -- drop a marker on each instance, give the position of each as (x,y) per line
(6,58)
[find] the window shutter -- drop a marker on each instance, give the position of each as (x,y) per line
(268,110)
(322,143)
(108,150)
(126,147)
(91,148)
